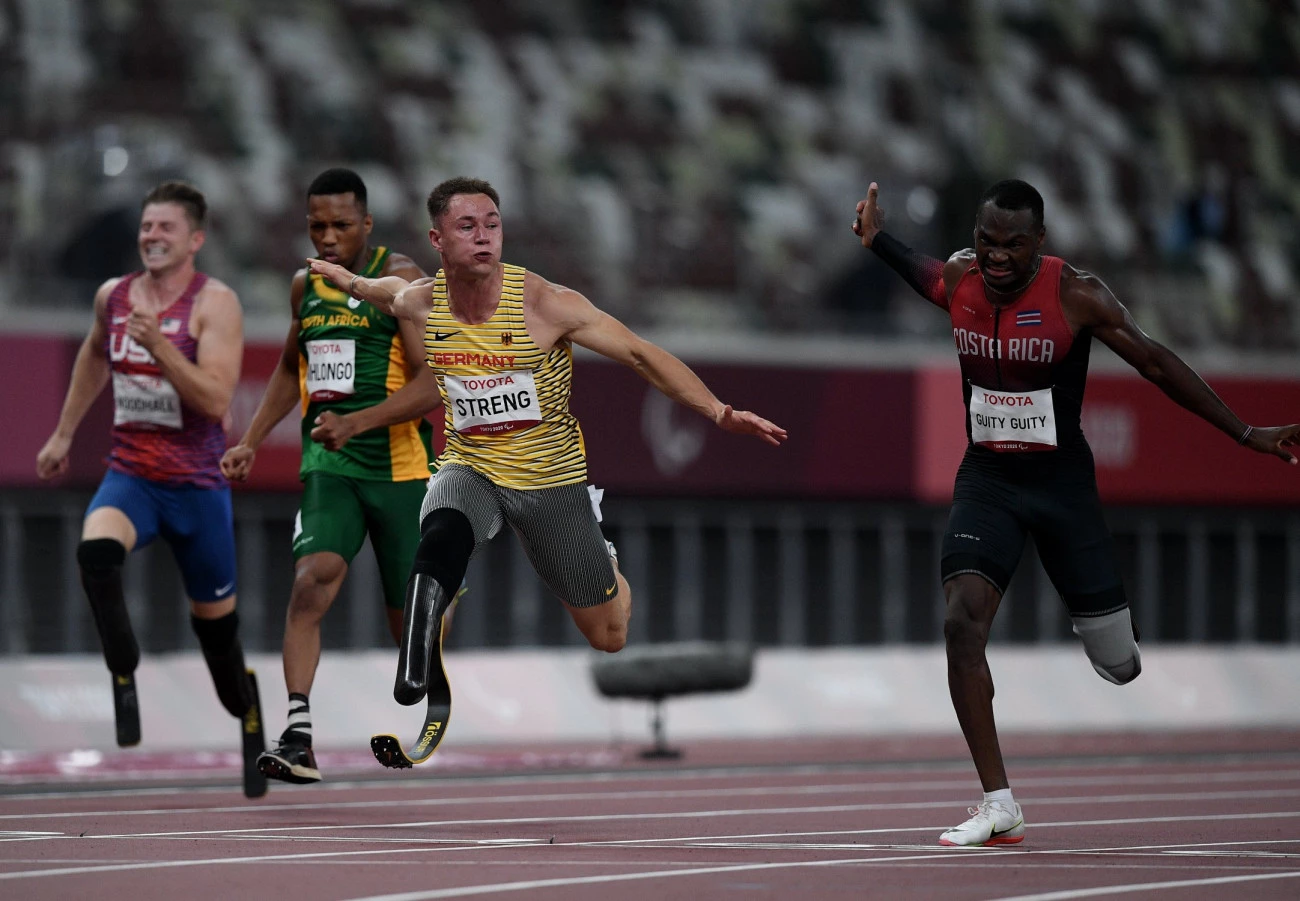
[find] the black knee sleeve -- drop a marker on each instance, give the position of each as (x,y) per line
(219,639)
(446,544)
(100,561)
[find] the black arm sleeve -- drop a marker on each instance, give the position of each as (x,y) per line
(924,274)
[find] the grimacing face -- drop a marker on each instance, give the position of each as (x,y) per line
(1007,243)
(167,238)
(339,227)
(468,234)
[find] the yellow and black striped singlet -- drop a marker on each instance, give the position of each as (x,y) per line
(505,401)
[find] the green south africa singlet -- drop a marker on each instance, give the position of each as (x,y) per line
(350,358)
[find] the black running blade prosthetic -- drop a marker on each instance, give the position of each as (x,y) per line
(388,749)
(253,743)
(126,711)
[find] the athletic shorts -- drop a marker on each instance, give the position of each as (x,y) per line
(196,522)
(337,512)
(558,528)
(998,499)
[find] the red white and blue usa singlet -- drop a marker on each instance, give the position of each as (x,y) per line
(155,435)
(1023,370)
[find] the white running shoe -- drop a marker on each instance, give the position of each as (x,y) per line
(992,823)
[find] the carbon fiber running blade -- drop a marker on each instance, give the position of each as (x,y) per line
(253,743)
(126,711)
(388,749)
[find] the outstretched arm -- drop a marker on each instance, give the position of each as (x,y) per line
(89,376)
(1088,303)
(414,399)
(926,275)
(578,320)
(388,293)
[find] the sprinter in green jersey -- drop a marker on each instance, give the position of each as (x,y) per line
(357,375)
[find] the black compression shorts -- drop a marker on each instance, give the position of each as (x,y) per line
(998,499)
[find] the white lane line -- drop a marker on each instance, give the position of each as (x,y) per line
(8,832)
(304,857)
(650,842)
(1109,769)
(1194,778)
(531,884)
(467,845)
(1135,887)
(213,861)
(1190,797)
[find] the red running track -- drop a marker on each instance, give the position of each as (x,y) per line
(1162,815)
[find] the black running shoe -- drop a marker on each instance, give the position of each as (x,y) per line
(254,743)
(291,760)
(126,711)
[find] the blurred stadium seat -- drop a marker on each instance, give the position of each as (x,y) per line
(689,163)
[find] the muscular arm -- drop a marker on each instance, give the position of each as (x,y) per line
(924,273)
(90,371)
(414,399)
(933,279)
(401,297)
(208,384)
(1089,304)
(282,390)
(564,314)
(89,375)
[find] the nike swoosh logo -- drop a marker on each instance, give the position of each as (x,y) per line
(224,588)
(611,590)
(441,336)
(996,832)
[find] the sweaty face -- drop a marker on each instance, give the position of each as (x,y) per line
(338,226)
(468,234)
(167,237)
(1007,243)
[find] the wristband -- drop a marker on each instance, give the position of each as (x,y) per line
(1245,436)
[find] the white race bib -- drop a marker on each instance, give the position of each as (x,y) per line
(145,400)
(331,368)
(1011,420)
(498,403)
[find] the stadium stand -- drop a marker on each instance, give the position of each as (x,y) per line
(689,163)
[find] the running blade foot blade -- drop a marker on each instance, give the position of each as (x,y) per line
(253,743)
(388,751)
(126,711)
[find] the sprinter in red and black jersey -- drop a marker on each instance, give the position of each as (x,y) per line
(170,340)
(1023,324)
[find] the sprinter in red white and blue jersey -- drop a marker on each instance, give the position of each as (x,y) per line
(170,339)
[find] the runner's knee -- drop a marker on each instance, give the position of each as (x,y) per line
(101,557)
(608,637)
(966,622)
(1109,642)
(314,588)
(604,626)
(446,544)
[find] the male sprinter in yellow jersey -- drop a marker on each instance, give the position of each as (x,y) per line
(357,373)
(500,340)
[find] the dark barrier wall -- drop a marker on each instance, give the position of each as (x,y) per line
(871,434)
